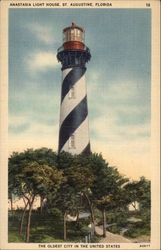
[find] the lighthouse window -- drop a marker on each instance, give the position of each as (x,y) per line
(68,36)
(71,93)
(72,141)
(64,37)
(77,35)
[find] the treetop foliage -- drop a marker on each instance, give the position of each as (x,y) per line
(72,182)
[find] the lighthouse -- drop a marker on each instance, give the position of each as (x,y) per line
(73,126)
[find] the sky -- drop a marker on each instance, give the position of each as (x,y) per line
(118,81)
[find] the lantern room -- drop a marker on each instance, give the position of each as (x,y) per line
(73,38)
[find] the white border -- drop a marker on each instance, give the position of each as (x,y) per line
(155,125)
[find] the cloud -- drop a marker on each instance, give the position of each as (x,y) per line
(36,135)
(122,90)
(106,128)
(14,120)
(41,61)
(34,103)
(43,33)
(34,128)
(113,91)
(120,123)
(119,100)
(131,159)
(19,129)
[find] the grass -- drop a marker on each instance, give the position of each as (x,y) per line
(137,229)
(134,229)
(15,237)
(47,228)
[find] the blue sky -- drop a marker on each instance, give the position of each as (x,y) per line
(118,81)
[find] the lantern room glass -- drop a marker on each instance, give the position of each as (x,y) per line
(73,34)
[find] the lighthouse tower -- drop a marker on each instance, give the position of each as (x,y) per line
(73,128)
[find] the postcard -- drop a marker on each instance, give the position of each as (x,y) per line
(80,124)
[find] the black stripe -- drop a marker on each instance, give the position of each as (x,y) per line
(72,122)
(87,149)
(72,77)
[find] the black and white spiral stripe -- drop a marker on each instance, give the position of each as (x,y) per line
(74,112)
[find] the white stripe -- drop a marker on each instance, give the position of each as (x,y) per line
(81,139)
(69,104)
(65,73)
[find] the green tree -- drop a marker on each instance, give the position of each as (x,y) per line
(37,180)
(65,200)
(139,191)
(107,191)
(42,156)
(80,177)
(77,180)
(30,178)
(16,161)
(91,176)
